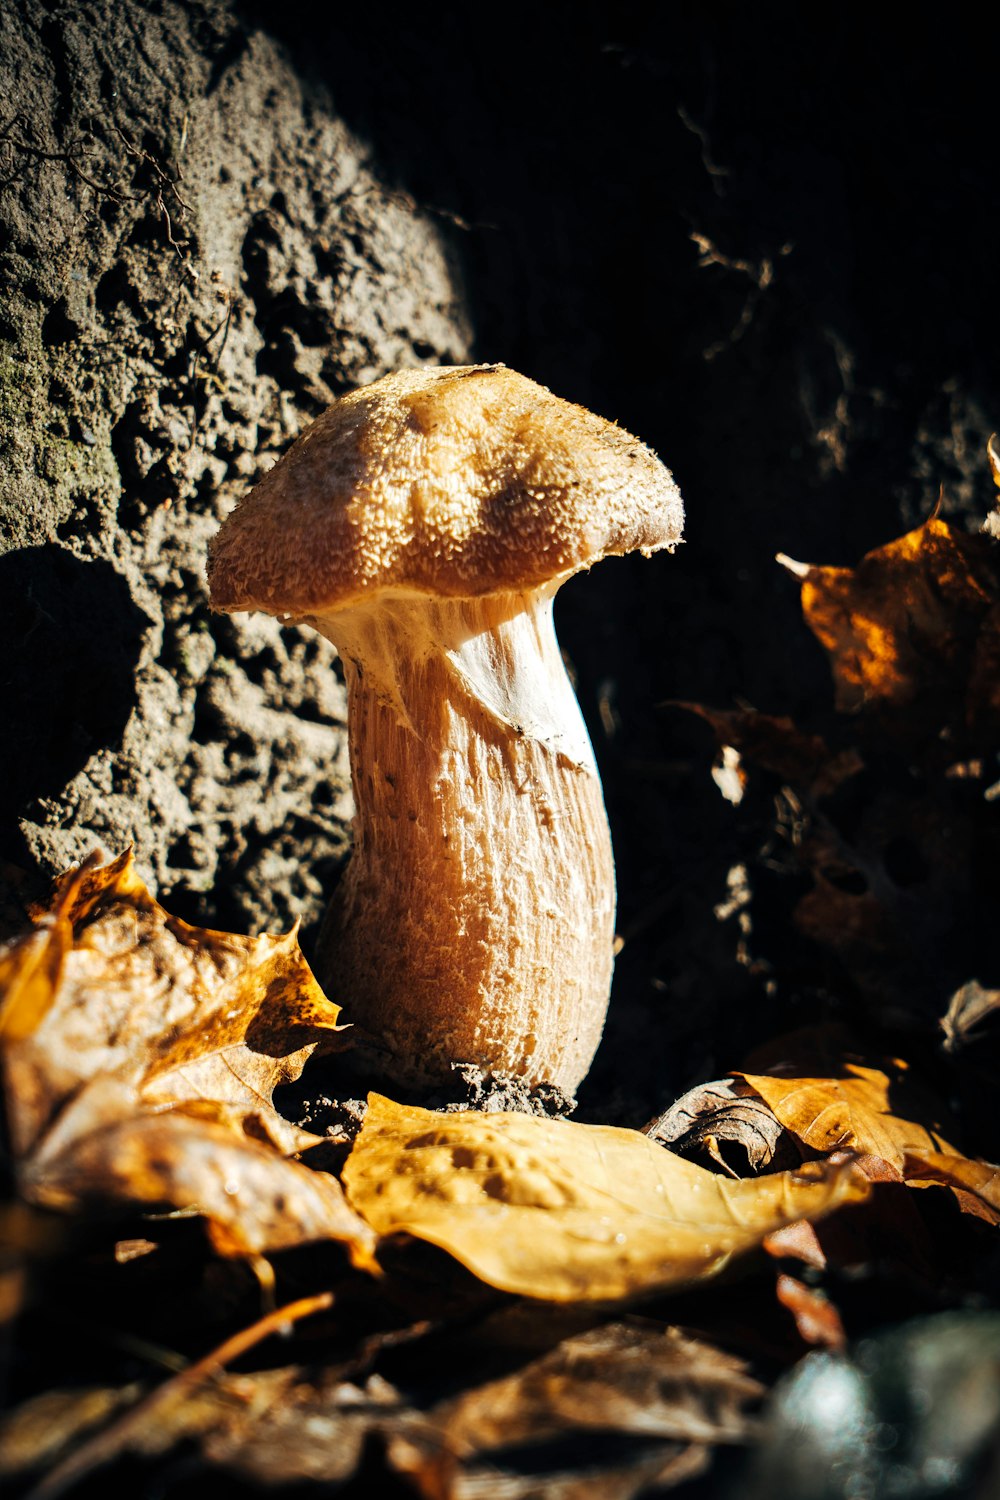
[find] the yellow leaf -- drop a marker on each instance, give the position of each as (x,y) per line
(851,1111)
(873,1111)
(139,1056)
(567,1212)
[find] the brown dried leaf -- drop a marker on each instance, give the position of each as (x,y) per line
(41,1432)
(969,1007)
(651,1470)
(775,744)
(976,1183)
(833,1099)
(725,1121)
(566,1212)
(879,1112)
(622,1377)
(816,1318)
(139,1058)
(902,629)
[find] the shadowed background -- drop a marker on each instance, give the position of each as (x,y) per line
(763,241)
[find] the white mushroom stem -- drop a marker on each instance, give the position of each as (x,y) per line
(475,919)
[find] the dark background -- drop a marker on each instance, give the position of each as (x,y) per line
(761,238)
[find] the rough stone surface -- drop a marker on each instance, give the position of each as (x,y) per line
(198,255)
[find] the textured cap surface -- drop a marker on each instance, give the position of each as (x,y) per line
(458,481)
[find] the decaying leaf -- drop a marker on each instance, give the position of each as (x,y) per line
(617,1402)
(139,1057)
(653,1398)
(890,811)
(726,1123)
(832,1100)
(904,630)
(558,1210)
(622,1377)
(968,1008)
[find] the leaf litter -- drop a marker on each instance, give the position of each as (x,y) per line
(140,1058)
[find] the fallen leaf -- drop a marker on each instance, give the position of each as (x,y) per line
(816,1318)
(139,1058)
(834,1100)
(728,1124)
(902,629)
(558,1210)
(968,1008)
(850,1110)
(975,1180)
(621,1377)
(879,1112)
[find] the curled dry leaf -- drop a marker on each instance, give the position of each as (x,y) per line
(833,1100)
(976,1184)
(558,1210)
(970,1006)
(727,1124)
(139,1059)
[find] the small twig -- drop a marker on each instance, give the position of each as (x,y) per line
(107,1443)
(68,158)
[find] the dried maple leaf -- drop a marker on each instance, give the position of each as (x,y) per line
(910,630)
(562,1211)
(890,811)
(139,1056)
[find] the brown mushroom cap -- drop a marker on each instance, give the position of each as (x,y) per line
(459,481)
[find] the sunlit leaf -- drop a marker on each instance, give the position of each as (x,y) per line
(851,1110)
(558,1210)
(726,1124)
(877,1111)
(139,1058)
(978,1181)
(902,629)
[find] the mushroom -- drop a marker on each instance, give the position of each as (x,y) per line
(423,525)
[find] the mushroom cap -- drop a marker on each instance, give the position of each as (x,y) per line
(459,481)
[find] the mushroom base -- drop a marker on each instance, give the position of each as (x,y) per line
(475,919)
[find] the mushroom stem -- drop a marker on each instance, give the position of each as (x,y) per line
(475,919)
